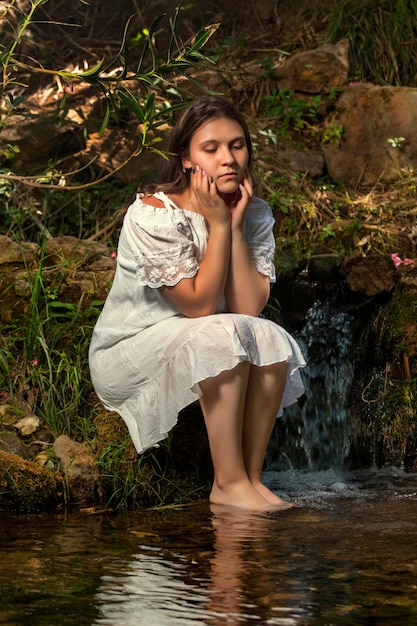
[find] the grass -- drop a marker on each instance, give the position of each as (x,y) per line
(43,355)
(382,35)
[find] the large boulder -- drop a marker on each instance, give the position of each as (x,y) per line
(370,275)
(379,140)
(316,71)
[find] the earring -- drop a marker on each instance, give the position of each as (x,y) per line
(184,169)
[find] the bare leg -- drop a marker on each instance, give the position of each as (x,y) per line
(223,406)
(264,394)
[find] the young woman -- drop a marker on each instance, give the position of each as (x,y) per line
(181,322)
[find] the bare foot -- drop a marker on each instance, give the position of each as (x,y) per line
(242,495)
(271,497)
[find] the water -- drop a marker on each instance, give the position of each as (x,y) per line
(345,554)
(316,434)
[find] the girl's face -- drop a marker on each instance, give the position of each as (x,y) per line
(219,148)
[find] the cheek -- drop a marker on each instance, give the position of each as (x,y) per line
(244,161)
(204,162)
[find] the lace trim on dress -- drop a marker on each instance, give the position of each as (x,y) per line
(265,267)
(156,277)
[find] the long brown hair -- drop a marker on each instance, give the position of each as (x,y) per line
(172,178)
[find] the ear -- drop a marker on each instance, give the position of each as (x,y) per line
(186,161)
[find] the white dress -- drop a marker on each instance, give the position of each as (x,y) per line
(146,358)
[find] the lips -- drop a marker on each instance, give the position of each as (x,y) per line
(229,175)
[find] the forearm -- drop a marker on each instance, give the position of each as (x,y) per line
(247,291)
(200,295)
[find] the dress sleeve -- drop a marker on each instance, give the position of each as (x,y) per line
(260,237)
(161,243)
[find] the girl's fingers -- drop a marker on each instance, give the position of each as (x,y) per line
(199,179)
(247,184)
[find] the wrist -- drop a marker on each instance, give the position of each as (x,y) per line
(237,231)
(220,225)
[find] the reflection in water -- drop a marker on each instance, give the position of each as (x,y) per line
(241,586)
(224,585)
(346,554)
(151,590)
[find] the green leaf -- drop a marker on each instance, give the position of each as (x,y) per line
(105,121)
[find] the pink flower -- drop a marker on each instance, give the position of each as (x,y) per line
(113,254)
(397,260)
(35,362)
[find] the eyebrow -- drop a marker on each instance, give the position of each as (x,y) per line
(216,141)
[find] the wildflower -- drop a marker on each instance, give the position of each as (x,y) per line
(113,254)
(35,362)
(397,260)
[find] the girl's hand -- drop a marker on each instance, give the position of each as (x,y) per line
(205,199)
(237,209)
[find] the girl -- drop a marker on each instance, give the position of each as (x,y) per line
(181,322)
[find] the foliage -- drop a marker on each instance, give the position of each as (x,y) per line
(43,361)
(44,365)
(291,113)
(137,89)
(382,35)
(29,216)
(124,88)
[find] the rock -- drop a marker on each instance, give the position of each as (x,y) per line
(10,442)
(370,275)
(45,436)
(78,465)
(316,71)
(70,249)
(325,267)
(297,297)
(9,414)
(28,425)
(13,252)
(309,163)
(103,263)
(287,263)
(41,138)
(408,277)
(44,459)
(23,285)
(379,140)
(26,486)
(117,151)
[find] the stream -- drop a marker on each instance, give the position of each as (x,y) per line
(346,553)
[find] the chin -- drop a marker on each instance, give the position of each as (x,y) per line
(228,187)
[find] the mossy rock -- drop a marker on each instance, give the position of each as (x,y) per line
(26,487)
(386,426)
(400,332)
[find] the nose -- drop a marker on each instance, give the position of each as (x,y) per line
(227,156)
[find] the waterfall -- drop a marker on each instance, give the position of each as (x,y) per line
(315,434)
